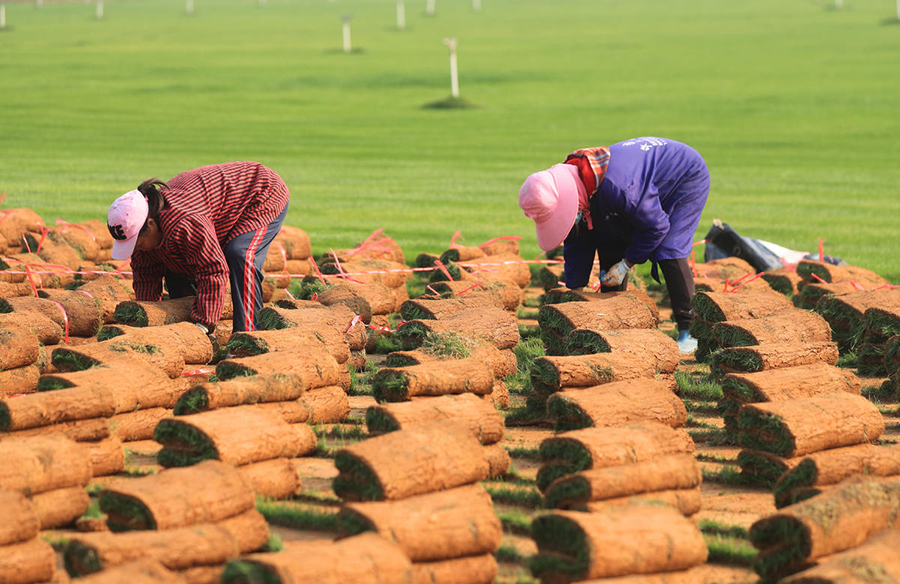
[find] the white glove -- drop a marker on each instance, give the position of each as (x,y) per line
(616,274)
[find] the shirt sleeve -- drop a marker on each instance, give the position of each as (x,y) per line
(147,274)
(194,240)
(578,251)
(645,215)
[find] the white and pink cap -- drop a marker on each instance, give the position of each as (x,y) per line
(127,216)
(550,197)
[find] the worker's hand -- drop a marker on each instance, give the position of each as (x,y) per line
(616,274)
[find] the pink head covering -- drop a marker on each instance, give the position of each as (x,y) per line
(126,217)
(550,197)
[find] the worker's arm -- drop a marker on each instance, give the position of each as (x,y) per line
(649,222)
(579,251)
(194,240)
(147,275)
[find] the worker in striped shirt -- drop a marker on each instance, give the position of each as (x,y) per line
(199,231)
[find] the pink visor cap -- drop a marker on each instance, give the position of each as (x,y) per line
(550,197)
(127,216)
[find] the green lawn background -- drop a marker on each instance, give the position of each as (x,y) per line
(793,104)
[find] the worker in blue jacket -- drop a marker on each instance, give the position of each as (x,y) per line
(631,202)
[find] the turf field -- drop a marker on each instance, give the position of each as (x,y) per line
(794,105)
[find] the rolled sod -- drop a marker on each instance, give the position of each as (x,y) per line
(410,462)
(481,569)
(389,273)
(207,492)
(635,539)
(248,344)
(687,501)
(829,467)
(706,340)
(323,405)
(366,300)
(83,311)
(209,435)
(462,253)
(552,276)
(146,387)
(184,337)
(366,558)
(833,273)
(617,403)
(295,242)
(561,294)
(783,280)
(806,425)
(300,369)
(837,520)
(555,374)
(870,360)
(716,307)
(90,430)
(506,292)
(770,356)
(60,507)
(29,561)
(139,425)
(46,330)
(446,377)
(42,463)
(652,344)
(107,456)
(884,321)
(846,313)
(136,313)
(593,448)
(278,478)
(764,468)
(791,325)
(452,346)
(509,267)
(479,415)
(21,521)
(206,544)
(168,360)
(137,572)
(46,408)
(873,561)
(436,309)
(436,526)
(616,313)
(812,292)
(338,317)
(494,326)
(892,355)
(787,383)
(19,347)
(674,471)
(30,304)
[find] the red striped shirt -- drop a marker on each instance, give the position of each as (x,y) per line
(205,209)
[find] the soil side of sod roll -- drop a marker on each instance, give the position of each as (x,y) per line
(771,356)
(166,359)
(618,312)
(508,293)
(494,326)
(617,403)
(19,347)
(207,492)
(80,430)
(135,313)
(107,456)
(310,368)
(676,471)
(480,416)
(480,569)
(874,561)
(439,346)
(561,294)
(138,572)
(652,344)
(687,501)
(829,467)
(20,380)
(248,344)
(42,463)
(436,526)
(449,376)
(410,462)
(803,426)
(338,317)
(554,374)
(30,304)
(791,325)
(592,448)
(323,405)
(364,558)
(637,539)
(60,507)
(46,408)
(47,331)
(194,346)
(366,300)
(846,313)
(20,522)
(508,267)
(786,383)
(276,479)
(716,307)
(436,309)
(28,561)
(139,425)
(263,435)
(837,520)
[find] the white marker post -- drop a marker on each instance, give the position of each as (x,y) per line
(346,20)
(99,9)
(429,8)
(898,9)
(454,73)
(189,7)
(39,3)
(401,14)
(2,15)
(838,4)
(476,5)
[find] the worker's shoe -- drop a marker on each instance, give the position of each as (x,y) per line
(686,343)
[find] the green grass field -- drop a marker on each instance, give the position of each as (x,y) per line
(794,105)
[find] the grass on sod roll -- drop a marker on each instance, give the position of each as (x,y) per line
(247,345)
(759,470)
(788,543)
(528,498)
(125,513)
(561,457)
(269,320)
(130,313)
(568,416)
(447,345)
(847,327)
(226,370)
(53,383)
(566,543)
(287,514)
(67,360)
(883,324)
(439,276)
(585,342)
(350,522)
(109,332)
(765,432)
(697,385)
(735,336)
(707,310)
(193,401)
(248,572)
(190,445)
(378,422)
(413,312)
(515,522)
(729,550)
(573,490)
(79,558)
(737,359)
(390,384)
(526,352)
(356,478)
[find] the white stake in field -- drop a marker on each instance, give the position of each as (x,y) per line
(401,15)
(476,5)
(99,9)
(39,3)
(429,7)
(3,16)
(189,7)
(346,21)
(454,73)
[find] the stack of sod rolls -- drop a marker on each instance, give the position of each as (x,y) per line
(783,384)
(138,572)
(846,315)
(785,280)
(364,558)
(731,273)
(503,266)
(877,556)
(819,279)
(714,307)
(879,353)
(839,520)
(416,487)
(306,384)
(446,364)
(601,312)
(21,338)
(616,542)
(593,468)
(478,415)
(561,295)
(377,246)
(24,557)
(262,450)
(617,403)
(16,222)
(777,436)
(309,316)
(139,313)
(92,304)
(52,472)
(506,292)
(192,520)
